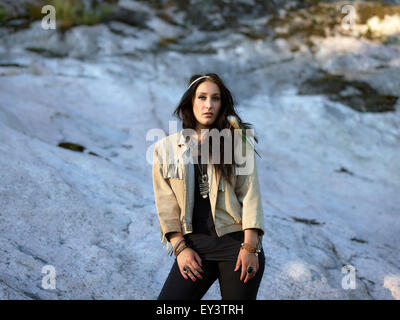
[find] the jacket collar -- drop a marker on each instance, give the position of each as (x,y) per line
(183,145)
(181,138)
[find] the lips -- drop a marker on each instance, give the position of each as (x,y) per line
(207,114)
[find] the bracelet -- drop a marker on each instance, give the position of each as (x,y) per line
(249,248)
(178,246)
(172,250)
(180,250)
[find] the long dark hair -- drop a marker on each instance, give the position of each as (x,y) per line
(184,112)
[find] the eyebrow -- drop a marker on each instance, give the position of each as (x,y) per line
(206,93)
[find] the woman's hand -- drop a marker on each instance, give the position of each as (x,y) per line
(189,258)
(246,259)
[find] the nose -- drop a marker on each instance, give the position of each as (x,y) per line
(208,103)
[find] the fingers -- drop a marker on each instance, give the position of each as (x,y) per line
(238,264)
(183,274)
(247,276)
(196,266)
(250,276)
(190,274)
(244,261)
(191,262)
(198,259)
(243,273)
(193,271)
(196,270)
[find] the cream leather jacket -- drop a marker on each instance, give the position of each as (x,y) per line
(233,209)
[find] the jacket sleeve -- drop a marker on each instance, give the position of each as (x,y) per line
(168,210)
(247,190)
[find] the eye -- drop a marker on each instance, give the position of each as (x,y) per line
(201,97)
(216,98)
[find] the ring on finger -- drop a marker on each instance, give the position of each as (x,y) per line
(250,270)
(186,269)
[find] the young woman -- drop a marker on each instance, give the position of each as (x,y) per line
(211,216)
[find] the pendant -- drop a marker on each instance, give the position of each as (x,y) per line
(203,185)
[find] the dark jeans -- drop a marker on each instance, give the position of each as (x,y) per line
(177,288)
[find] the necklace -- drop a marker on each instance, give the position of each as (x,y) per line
(203,182)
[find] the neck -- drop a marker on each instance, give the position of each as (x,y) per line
(198,130)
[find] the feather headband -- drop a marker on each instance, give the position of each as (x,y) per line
(233,121)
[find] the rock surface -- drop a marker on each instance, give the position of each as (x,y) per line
(329,173)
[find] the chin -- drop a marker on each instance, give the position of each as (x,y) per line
(208,123)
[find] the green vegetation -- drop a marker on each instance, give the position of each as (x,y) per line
(378,9)
(324,19)
(3,13)
(362,97)
(166,41)
(70,13)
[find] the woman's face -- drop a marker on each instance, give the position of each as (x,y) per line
(207,99)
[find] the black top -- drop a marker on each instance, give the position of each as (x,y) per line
(204,239)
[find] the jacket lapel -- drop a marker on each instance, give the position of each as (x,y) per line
(214,181)
(184,155)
